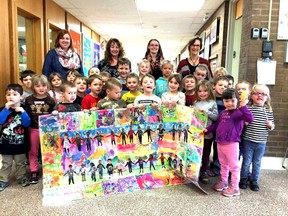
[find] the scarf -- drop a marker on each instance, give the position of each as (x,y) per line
(69,59)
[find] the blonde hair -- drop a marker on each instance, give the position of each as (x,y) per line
(220,70)
(42,79)
(189,76)
(245,82)
(113,82)
(267,91)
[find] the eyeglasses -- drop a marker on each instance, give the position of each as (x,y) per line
(259,94)
(195,45)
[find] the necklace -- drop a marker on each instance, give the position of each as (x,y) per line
(194,62)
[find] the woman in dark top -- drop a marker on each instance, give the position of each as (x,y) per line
(113,52)
(63,57)
(188,65)
(155,56)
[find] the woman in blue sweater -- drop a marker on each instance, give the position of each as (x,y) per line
(63,57)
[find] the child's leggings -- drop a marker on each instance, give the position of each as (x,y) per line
(34,148)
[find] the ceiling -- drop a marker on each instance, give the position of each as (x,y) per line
(135,27)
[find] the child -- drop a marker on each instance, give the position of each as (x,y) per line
(132,83)
(112,100)
(147,98)
(119,167)
(205,101)
(174,96)
(151,162)
(255,135)
(228,129)
(140,161)
(109,167)
(26,80)
(66,142)
(181,166)
(189,83)
(90,101)
(230,81)
(144,68)
(14,121)
(123,68)
(81,85)
(220,71)
(40,103)
(55,81)
(129,164)
(162,159)
(82,171)
(70,173)
(201,72)
(69,92)
(93,71)
(100,168)
(93,170)
(104,76)
(71,75)
(245,87)
(162,82)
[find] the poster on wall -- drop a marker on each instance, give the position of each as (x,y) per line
(97,153)
(76,38)
(206,53)
(214,31)
(87,60)
(96,53)
(283,20)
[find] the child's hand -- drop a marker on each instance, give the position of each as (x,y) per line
(269,124)
(9,104)
(19,109)
(174,103)
(202,110)
(203,131)
(54,112)
(154,105)
(94,108)
(129,106)
(242,103)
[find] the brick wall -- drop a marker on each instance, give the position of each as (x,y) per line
(255,14)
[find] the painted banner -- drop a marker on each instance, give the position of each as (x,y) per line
(76,38)
(96,53)
(87,55)
(87,154)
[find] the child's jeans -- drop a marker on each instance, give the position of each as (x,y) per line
(228,156)
(34,148)
(252,153)
(206,154)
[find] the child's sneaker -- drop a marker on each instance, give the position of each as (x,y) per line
(204,178)
(34,178)
(231,191)
(243,184)
(3,185)
(220,186)
(24,182)
(254,186)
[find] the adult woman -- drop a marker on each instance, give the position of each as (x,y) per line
(113,52)
(63,57)
(154,55)
(188,65)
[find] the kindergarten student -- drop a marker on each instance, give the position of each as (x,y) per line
(55,81)
(123,68)
(129,164)
(70,173)
(93,71)
(109,167)
(147,98)
(119,167)
(245,87)
(220,71)
(93,170)
(82,171)
(40,103)
(162,159)
(81,85)
(112,100)
(66,142)
(255,136)
(90,101)
(71,75)
(132,83)
(173,96)
(144,68)
(228,129)
(205,101)
(189,83)
(14,122)
(230,81)
(162,82)
(201,72)
(100,168)
(26,80)
(104,76)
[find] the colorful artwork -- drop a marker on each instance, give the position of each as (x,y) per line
(96,53)
(76,38)
(87,154)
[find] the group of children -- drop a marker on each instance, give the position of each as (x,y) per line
(227,114)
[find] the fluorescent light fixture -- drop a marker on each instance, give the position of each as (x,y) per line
(21,29)
(169,5)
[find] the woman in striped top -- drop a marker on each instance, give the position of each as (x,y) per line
(255,135)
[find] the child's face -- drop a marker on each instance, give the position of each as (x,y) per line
(200,75)
(230,104)
(203,93)
(148,85)
(14,97)
(94,71)
(71,77)
(173,85)
(104,80)
(144,68)
(41,89)
(69,95)
(132,84)
(242,87)
(81,85)
(27,82)
(123,70)
(167,70)
(56,82)
(114,93)
(259,96)
(220,86)
(189,84)
(230,84)
(96,86)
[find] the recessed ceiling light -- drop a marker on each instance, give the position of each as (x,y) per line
(169,5)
